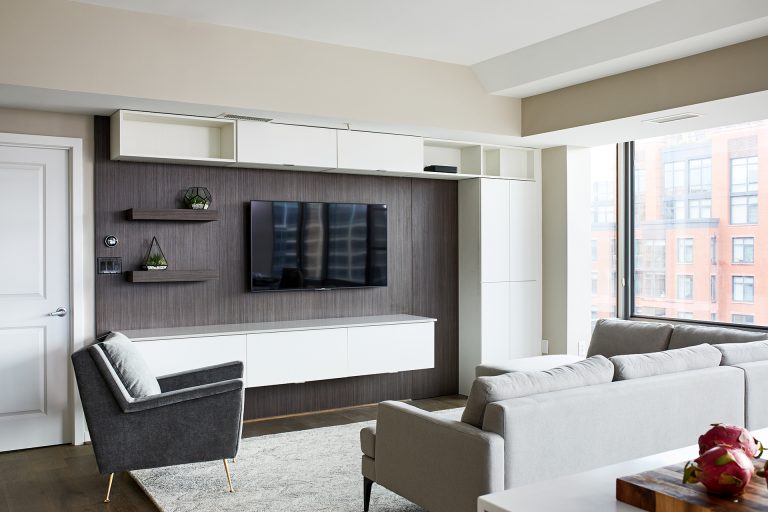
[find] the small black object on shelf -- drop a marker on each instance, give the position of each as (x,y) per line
(442,168)
(198,198)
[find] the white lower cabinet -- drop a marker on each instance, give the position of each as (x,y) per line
(391,348)
(524,319)
(296,356)
(166,356)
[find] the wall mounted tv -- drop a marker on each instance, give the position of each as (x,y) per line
(317,246)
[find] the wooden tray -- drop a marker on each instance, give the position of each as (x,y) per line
(663,490)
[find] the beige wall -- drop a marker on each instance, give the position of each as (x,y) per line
(722,73)
(70,46)
(66,125)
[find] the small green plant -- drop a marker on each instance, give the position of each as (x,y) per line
(156,260)
(197,200)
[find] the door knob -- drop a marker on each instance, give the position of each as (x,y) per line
(59,312)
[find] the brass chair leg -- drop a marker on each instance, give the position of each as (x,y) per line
(229,477)
(109,487)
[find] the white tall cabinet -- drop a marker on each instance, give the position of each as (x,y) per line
(499,271)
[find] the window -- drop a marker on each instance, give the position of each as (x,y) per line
(651,311)
(743,319)
(744,250)
(713,250)
(744,210)
(594,250)
(602,176)
(743,175)
(685,315)
(743,289)
(594,283)
(700,209)
(685,250)
(674,177)
(713,289)
(700,175)
(674,209)
(685,287)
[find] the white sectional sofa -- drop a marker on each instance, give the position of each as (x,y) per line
(443,463)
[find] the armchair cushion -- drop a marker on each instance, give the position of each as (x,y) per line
(130,366)
(368,441)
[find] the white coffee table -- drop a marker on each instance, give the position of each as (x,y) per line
(589,491)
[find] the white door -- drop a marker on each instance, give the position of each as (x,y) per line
(34,282)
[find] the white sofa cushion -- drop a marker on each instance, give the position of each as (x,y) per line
(525,364)
(485,390)
(635,366)
(737,353)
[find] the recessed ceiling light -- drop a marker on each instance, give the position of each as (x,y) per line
(671,118)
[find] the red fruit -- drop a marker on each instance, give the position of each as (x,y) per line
(722,470)
(732,436)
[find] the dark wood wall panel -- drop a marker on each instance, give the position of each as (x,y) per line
(422,265)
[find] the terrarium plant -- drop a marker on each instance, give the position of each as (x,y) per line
(198,198)
(155,259)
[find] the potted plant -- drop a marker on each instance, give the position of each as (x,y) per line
(155,259)
(198,198)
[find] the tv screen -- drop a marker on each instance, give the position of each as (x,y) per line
(317,246)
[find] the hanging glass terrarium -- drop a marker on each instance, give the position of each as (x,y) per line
(155,259)
(198,198)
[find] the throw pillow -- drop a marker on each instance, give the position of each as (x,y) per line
(485,390)
(130,366)
(613,337)
(635,366)
(737,353)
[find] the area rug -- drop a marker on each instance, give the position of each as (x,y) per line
(313,470)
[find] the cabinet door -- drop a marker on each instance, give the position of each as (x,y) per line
(380,152)
(391,348)
(296,356)
(279,145)
(524,231)
(181,354)
(494,230)
(495,323)
(524,319)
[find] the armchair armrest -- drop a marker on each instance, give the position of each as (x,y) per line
(438,463)
(200,376)
(183,395)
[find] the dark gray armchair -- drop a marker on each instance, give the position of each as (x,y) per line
(197,416)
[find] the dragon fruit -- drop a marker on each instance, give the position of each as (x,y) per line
(722,470)
(732,436)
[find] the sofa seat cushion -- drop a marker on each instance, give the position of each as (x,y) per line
(130,366)
(635,366)
(485,390)
(738,353)
(525,364)
(690,335)
(368,441)
(613,337)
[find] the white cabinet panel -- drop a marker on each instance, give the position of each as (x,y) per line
(296,356)
(495,322)
(391,348)
(495,230)
(524,231)
(182,354)
(285,145)
(525,319)
(379,152)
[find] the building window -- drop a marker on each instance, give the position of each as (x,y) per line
(699,209)
(674,209)
(743,289)
(743,175)
(685,315)
(744,209)
(699,175)
(743,319)
(674,177)
(713,289)
(594,250)
(685,287)
(744,250)
(594,283)
(713,250)
(685,250)
(651,311)
(713,317)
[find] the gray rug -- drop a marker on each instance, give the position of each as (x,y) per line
(312,470)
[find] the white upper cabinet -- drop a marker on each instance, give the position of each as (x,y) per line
(268,145)
(524,230)
(495,231)
(367,151)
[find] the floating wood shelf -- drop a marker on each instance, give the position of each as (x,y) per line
(170,276)
(172,214)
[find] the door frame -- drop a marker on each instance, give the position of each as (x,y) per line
(74,148)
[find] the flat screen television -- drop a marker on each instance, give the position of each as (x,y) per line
(317,246)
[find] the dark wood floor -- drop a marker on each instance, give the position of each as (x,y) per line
(65,478)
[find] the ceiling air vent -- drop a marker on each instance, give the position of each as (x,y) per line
(673,117)
(238,117)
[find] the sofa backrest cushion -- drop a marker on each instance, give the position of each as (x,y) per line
(690,335)
(635,366)
(130,366)
(613,337)
(738,353)
(485,390)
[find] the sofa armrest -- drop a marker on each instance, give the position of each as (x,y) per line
(200,376)
(437,463)
(187,394)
